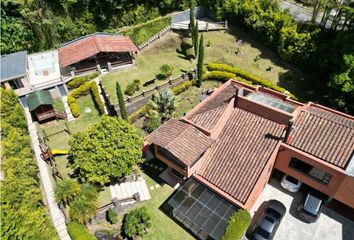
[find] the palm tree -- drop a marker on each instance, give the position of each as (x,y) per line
(165,104)
(82,210)
(66,190)
(85,206)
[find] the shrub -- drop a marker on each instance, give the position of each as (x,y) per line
(78,231)
(136,222)
(78,81)
(238,224)
(83,90)
(166,70)
(152,124)
(219,76)
(181,88)
(142,33)
(112,216)
(246,76)
(143,111)
(97,98)
(133,87)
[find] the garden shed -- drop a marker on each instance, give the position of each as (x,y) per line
(40,104)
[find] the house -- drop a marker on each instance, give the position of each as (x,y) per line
(96,52)
(43,70)
(232,141)
(14,72)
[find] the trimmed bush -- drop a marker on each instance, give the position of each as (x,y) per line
(78,231)
(239,73)
(112,216)
(142,33)
(78,81)
(181,88)
(238,224)
(83,90)
(218,75)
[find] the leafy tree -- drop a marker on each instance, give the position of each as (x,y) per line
(200,62)
(136,222)
(122,108)
(165,104)
(85,205)
(105,152)
(238,224)
(66,190)
(195,39)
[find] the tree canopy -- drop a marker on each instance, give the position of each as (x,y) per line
(107,151)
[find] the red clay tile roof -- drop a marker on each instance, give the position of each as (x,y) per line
(222,98)
(325,135)
(181,139)
(236,160)
(208,119)
(83,48)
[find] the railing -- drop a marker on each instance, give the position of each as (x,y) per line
(50,114)
(85,70)
(120,63)
(154,38)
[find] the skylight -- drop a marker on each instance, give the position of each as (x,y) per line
(267,100)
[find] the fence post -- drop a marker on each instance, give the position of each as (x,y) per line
(226,25)
(143,93)
(129,99)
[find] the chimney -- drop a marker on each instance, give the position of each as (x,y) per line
(288,130)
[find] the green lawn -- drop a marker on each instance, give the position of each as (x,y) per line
(220,46)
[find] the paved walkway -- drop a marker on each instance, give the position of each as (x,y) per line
(56,215)
(69,115)
(128,189)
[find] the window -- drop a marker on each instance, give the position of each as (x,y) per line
(16,84)
(267,100)
(316,173)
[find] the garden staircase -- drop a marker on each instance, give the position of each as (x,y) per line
(51,114)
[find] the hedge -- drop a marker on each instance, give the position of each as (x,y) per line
(238,224)
(239,73)
(142,33)
(23,213)
(83,90)
(78,231)
(181,88)
(78,81)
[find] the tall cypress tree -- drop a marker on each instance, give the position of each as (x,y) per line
(123,109)
(195,39)
(192,19)
(200,62)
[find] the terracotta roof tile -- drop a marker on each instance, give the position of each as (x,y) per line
(236,160)
(83,48)
(208,119)
(181,139)
(325,135)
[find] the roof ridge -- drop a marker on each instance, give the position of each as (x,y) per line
(189,125)
(327,119)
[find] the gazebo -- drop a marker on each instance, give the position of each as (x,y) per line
(40,104)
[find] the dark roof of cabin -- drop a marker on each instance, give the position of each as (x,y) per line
(38,98)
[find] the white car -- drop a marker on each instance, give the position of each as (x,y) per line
(291,184)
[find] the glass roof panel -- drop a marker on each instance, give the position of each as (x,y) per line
(270,101)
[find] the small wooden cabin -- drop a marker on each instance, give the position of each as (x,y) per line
(40,104)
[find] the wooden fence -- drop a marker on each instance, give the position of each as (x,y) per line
(135,102)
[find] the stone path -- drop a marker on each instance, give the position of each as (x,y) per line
(128,189)
(69,115)
(56,215)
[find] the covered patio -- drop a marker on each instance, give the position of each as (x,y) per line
(96,52)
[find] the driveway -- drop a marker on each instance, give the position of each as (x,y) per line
(329,226)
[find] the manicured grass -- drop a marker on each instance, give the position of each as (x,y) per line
(220,46)
(58,104)
(104,197)
(162,226)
